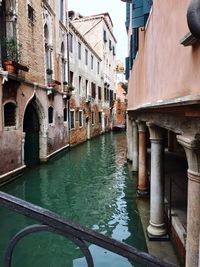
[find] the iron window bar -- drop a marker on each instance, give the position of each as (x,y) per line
(75,232)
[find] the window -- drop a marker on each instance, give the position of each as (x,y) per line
(86,57)
(100,117)
(48,52)
(65,114)
(79,84)
(110,45)
(79,50)
(63,67)
(80,118)
(72,118)
(61,10)
(70,42)
(97,67)
(105,36)
(50,115)
(31,14)
(114,52)
(92,117)
(9,114)
(71,77)
(92,62)
(86,88)
(99,92)
(93,87)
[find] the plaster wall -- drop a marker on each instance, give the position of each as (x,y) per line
(10,148)
(93,30)
(83,70)
(164,69)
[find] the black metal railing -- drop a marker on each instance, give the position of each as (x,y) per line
(76,233)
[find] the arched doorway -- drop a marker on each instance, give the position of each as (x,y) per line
(31,127)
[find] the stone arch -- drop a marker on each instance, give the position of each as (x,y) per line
(35,105)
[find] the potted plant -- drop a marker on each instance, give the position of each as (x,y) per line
(49,71)
(70,87)
(65,86)
(13,55)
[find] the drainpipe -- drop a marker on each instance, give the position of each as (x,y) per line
(193,14)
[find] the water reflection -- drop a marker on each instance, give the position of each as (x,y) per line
(90,185)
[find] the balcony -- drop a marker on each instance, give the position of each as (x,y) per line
(11,55)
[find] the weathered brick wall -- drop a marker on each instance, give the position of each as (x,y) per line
(31,38)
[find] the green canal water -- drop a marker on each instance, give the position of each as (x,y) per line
(89,184)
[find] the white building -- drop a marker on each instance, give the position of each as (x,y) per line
(98,31)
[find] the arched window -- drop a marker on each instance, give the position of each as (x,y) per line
(9,114)
(47,48)
(50,114)
(63,62)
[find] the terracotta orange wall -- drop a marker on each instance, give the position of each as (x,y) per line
(164,69)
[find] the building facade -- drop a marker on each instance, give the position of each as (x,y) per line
(50,98)
(163,114)
(86,114)
(98,30)
(31,97)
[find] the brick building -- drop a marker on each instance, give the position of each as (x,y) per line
(39,114)
(163,111)
(32,100)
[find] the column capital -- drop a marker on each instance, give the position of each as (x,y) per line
(156,132)
(191,145)
(141,126)
(134,123)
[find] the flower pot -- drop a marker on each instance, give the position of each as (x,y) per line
(8,65)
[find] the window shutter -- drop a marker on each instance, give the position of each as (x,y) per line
(127,68)
(127,23)
(147,6)
(138,14)
(141,9)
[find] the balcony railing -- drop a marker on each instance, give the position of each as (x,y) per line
(76,233)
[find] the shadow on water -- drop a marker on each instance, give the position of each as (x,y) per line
(89,184)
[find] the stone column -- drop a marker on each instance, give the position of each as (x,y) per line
(142,167)
(192,150)
(43,145)
(135,147)
(23,142)
(129,138)
(103,122)
(157,227)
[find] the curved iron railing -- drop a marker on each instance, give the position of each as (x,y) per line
(76,233)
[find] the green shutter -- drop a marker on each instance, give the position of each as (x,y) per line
(137,14)
(141,9)
(147,6)
(127,23)
(127,68)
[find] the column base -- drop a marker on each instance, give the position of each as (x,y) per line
(151,237)
(142,193)
(157,233)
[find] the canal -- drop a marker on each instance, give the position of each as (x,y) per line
(90,184)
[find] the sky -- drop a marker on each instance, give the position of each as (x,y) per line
(117,11)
